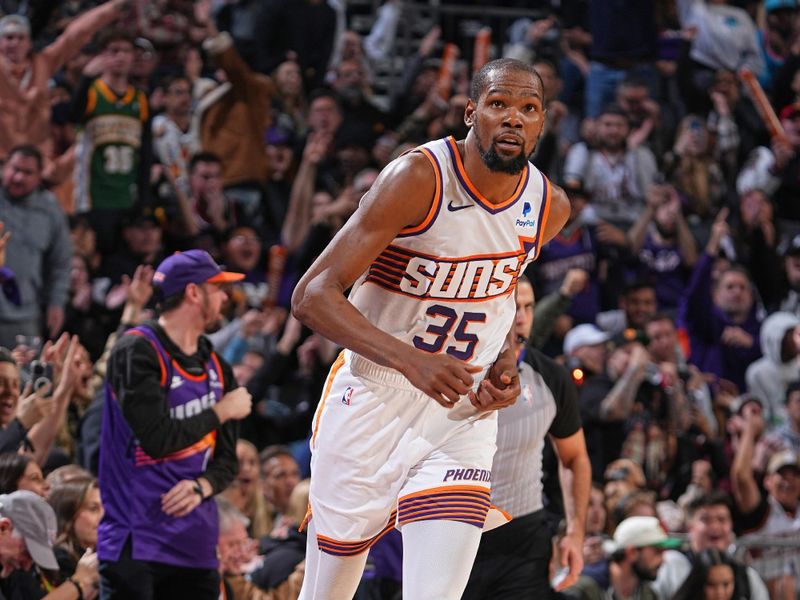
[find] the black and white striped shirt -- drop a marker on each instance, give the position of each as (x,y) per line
(548,404)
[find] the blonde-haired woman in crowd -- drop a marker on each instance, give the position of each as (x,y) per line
(246,494)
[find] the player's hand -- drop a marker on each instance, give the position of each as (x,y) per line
(571,550)
(181,499)
(440,376)
(501,387)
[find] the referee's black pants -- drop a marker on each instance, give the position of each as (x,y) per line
(130,579)
(513,560)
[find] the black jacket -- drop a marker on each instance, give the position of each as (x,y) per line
(134,376)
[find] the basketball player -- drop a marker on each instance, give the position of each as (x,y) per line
(404,434)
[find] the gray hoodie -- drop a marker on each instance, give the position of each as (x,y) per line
(768,377)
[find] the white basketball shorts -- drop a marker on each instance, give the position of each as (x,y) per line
(385,454)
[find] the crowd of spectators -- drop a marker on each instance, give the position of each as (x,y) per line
(131,129)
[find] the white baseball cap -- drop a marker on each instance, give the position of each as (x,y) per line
(584,335)
(640,532)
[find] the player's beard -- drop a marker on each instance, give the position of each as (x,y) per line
(497,164)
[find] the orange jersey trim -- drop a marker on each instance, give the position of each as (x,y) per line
(161,364)
(188,376)
(502,512)
(437,198)
(209,441)
(328,383)
(545,211)
(406,253)
(447,489)
(91,101)
(482,200)
(144,107)
(341,548)
(466,504)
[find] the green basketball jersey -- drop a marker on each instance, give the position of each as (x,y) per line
(108,148)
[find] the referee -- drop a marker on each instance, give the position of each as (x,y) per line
(513,559)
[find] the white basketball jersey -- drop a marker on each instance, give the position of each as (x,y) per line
(447,285)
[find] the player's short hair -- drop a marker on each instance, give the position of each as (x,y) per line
(481,79)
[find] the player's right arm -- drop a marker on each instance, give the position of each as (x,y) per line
(401,197)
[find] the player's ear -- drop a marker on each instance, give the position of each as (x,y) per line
(469,113)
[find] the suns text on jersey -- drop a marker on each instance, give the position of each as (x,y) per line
(477,278)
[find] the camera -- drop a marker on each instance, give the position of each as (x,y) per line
(41,375)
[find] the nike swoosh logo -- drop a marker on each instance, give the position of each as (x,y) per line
(452,208)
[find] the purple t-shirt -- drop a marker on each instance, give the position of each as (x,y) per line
(663,265)
(578,251)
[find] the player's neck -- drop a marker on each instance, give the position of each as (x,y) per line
(496,187)
(182,329)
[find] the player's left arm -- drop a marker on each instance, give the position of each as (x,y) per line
(557,215)
(575,476)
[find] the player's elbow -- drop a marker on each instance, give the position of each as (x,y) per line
(303,303)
